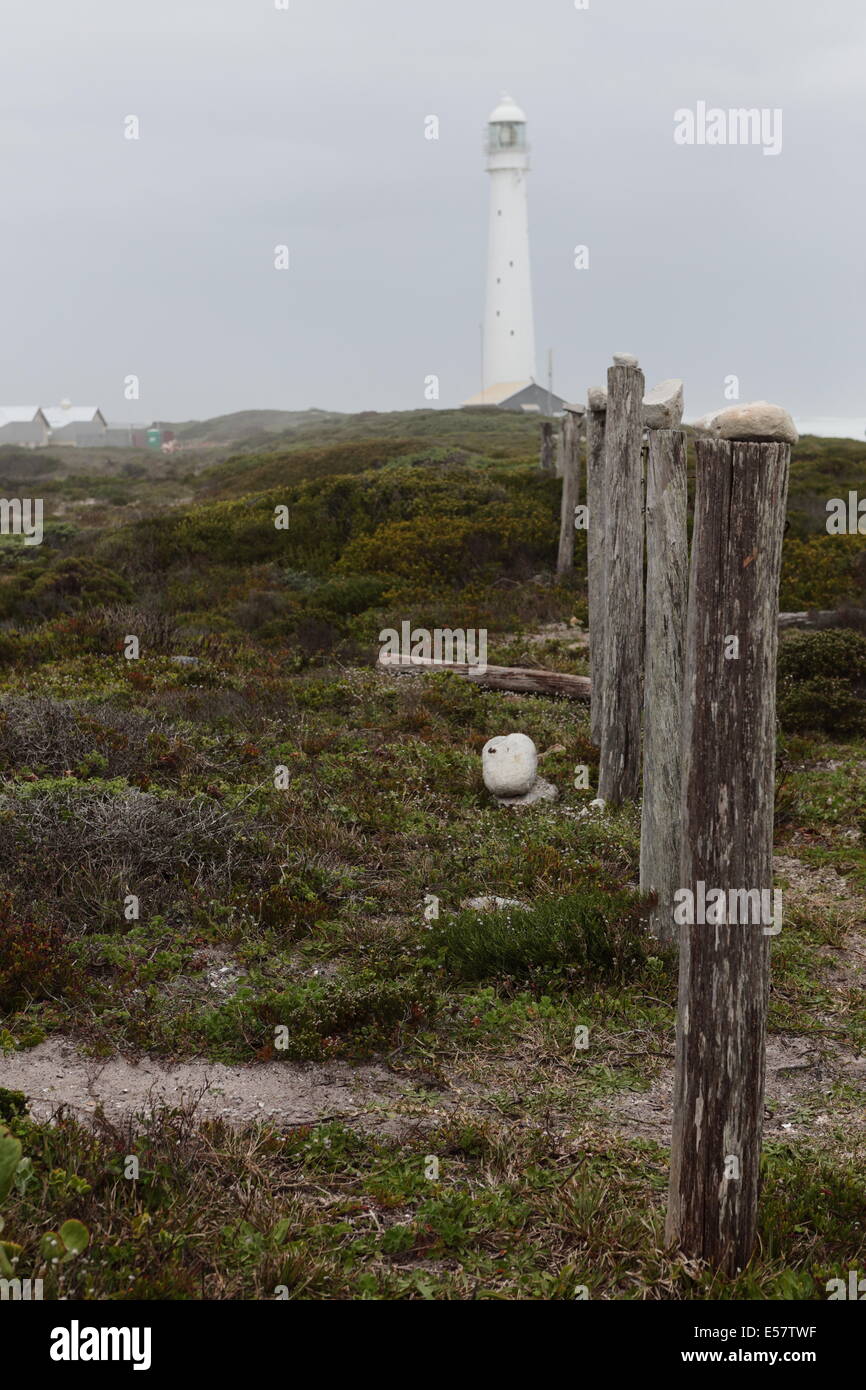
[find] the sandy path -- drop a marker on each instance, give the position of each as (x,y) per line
(55,1073)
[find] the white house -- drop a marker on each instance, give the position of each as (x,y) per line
(23,424)
(75,424)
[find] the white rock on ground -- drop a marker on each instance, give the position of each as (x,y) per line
(758,420)
(663,405)
(490,903)
(509,764)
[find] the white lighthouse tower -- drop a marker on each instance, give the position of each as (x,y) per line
(509,333)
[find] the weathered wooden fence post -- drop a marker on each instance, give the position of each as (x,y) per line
(596,414)
(572,429)
(667,580)
(559,446)
(619,771)
(727,833)
(546,460)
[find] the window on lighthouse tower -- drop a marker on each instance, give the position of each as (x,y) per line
(506,135)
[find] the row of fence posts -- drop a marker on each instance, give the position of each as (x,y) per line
(683,662)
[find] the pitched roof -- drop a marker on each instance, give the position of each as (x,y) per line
(495,395)
(58,416)
(19,414)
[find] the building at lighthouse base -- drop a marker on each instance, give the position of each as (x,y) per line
(519,395)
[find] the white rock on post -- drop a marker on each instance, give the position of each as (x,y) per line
(758,420)
(625,359)
(596,398)
(509,764)
(663,406)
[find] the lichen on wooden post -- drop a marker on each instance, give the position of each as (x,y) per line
(596,415)
(619,770)
(572,430)
(727,840)
(546,460)
(667,582)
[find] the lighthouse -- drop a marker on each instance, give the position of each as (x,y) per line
(508,365)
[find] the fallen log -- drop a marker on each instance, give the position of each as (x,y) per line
(826,617)
(530,680)
(523,680)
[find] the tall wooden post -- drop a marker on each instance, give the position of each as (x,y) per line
(596,415)
(559,447)
(572,429)
(619,772)
(548,447)
(667,583)
(727,834)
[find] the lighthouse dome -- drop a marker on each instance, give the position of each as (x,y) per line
(507,110)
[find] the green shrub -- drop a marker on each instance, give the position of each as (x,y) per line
(837,653)
(822,705)
(347,594)
(452,549)
(822,572)
(35,590)
(19,464)
(821,681)
(589,935)
(261,472)
(76,580)
(13,647)
(349,1015)
(13,1105)
(336,696)
(34,963)
(483,517)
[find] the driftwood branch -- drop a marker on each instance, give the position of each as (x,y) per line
(529,680)
(824,617)
(524,680)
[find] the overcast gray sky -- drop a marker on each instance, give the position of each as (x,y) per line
(261,126)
